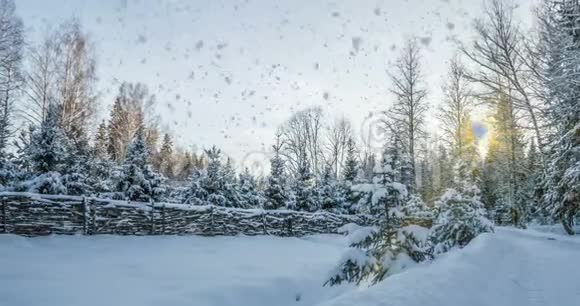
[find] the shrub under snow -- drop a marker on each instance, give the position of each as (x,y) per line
(461,218)
(376,254)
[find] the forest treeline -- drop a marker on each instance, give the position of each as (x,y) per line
(526,79)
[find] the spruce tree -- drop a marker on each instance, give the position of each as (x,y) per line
(461,218)
(250,196)
(213,182)
(560,43)
(303,187)
(138,180)
(187,167)
(165,160)
(101,142)
(48,149)
(275,192)
(79,163)
(330,194)
(350,170)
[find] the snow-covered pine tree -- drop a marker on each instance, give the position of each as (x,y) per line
(560,44)
(48,148)
(195,193)
(461,218)
(9,171)
(350,175)
(351,168)
(45,155)
(504,166)
(228,172)
(79,162)
(187,167)
(102,171)
(330,194)
(249,194)
(304,193)
(533,191)
(231,187)
(138,180)
(275,192)
(101,142)
(386,182)
(214,186)
(427,188)
(393,247)
(165,161)
(213,182)
(384,252)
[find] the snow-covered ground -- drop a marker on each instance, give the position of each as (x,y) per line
(140,271)
(510,267)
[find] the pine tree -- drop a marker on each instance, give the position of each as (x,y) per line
(386,189)
(303,187)
(249,194)
(379,253)
(330,194)
(275,192)
(45,156)
(79,163)
(187,166)
(560,44)
(165,157)
(101,142)
(427,188)
(350,171)
(228,172)
(532,193)
(48,149)
(138,181)
(504,168)
(461,218)
(214,183)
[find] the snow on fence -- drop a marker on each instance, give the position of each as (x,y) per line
(36,215)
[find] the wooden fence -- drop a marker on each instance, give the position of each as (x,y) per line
(36,215)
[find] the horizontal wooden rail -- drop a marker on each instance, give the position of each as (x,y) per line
(36,215)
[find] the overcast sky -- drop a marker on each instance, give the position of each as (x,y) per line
(229,72)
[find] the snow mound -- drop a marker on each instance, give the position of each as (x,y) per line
(509,268)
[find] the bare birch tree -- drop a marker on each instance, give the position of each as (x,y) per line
(302,135)
(338,136)
(454,112)
(11,43)
(499,51)
(407,115)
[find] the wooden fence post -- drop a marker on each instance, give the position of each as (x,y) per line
(85,227)
(93,219)
(163,219)
(264,225)
(290,231)
(211,222)
(152,216)
(4,217)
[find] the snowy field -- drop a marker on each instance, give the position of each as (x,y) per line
(171,270)
(510,267)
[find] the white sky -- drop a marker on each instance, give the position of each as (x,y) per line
(229,72)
